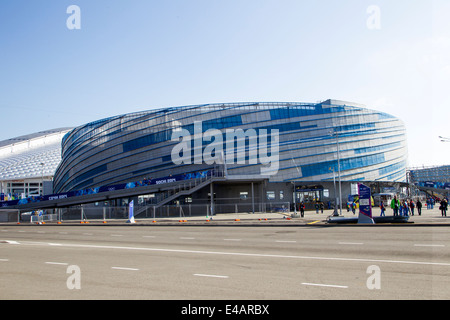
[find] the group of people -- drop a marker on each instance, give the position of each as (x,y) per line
(404,207)
(430,203)
(400,208)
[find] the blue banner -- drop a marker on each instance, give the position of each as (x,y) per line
(122,186)
(365,203)
(433,184)
(131,210)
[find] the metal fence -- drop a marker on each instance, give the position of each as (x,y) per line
(191,210)
(83,213)
(43,218)
(149,211)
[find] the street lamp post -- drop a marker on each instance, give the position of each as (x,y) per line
(42,177)
(335,213)
(335,133)
(295,199)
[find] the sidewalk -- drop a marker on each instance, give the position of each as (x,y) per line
(309,217)
(428,217)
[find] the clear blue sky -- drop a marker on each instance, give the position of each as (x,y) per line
(140,54)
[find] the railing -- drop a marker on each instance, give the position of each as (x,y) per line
(105,213)
(43,218)
(191,210)
(185,187)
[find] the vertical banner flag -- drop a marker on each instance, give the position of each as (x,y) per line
(131,212)
(365,204)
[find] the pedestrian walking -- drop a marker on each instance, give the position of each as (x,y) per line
(383,209)
(395,205)
(443,207)
(419,207)
(302,209)
(411,207)
(405,208)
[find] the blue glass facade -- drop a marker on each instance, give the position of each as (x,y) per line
(138,145)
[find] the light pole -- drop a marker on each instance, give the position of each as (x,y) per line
(336,134)
(42,177)
(295,199)
(335,213)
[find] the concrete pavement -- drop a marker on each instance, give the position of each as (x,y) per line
(234,261)
(310,217)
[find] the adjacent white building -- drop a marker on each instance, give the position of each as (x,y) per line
(28,163)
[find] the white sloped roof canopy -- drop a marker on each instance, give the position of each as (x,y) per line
(31,156)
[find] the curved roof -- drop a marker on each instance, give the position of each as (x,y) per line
(31,156)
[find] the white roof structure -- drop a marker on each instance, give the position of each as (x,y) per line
(31,156)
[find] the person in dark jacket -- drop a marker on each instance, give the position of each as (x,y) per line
(419,207)
(411,206)
(302,209)
(383,209)
(443,207)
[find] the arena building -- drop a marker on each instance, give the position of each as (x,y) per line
(28,163)
(265,152)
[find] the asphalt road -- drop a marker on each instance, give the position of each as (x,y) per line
(224,262)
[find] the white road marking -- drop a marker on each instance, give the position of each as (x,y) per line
(57,263)
(232,239)
(36,243)
(429,245)
(122,268)
(242,254)
(9,242)
(324,285)
(286,241)
(356,243)
(4,260)
(187,238)
(210,275)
